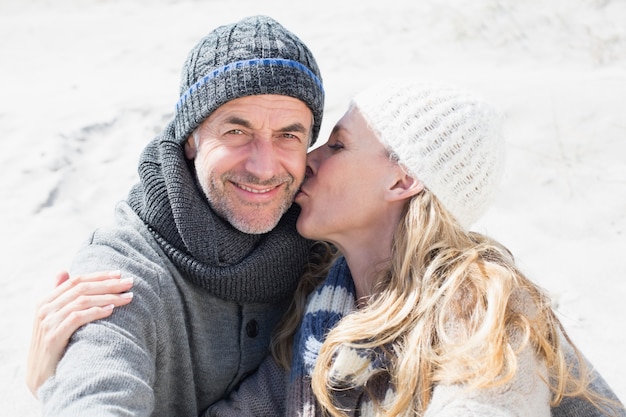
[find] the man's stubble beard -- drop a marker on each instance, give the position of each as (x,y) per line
(245,216)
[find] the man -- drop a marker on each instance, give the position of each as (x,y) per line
(208,234)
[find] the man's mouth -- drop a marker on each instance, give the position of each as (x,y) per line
(255,190)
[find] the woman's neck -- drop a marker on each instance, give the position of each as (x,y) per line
(366,260)
(368,249)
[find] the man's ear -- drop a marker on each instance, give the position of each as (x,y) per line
(190,148)
(404,188)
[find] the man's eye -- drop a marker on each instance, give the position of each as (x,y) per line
(335,146)
(289,136)
(235,132)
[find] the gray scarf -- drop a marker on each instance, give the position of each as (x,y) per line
(207,250)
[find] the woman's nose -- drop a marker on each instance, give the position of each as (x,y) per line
(312,161)
(308,172)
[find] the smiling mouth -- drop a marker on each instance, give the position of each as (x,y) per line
(255,190)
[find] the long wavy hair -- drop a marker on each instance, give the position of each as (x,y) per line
(446,310)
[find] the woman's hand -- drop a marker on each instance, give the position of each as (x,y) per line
(73,302)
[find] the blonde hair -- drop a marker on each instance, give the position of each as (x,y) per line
(447,310)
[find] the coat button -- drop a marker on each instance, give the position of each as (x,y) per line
(252,328)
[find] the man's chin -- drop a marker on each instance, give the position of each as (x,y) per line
(255,222)
(253,218)
(254,227)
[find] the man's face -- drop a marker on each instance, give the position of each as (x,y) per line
(250,157)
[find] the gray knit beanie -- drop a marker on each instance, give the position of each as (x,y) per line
(449,139)
(254,56)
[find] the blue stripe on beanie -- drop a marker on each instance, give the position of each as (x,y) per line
(249,62)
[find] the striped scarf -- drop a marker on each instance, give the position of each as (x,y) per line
(326,306)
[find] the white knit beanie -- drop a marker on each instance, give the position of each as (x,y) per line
(448,139)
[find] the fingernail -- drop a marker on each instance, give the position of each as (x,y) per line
(128,280)
(109,307)
(115,274)
(126,295)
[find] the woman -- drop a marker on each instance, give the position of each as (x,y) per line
(416,315)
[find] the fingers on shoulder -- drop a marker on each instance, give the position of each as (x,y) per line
(74,320)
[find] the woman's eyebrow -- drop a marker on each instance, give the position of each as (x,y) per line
(336,129)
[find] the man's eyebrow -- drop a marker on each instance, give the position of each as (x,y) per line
(234,120)
(295,127)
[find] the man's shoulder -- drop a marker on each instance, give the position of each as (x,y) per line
(127,246)
(129,235)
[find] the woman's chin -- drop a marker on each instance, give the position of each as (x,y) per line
(304,228)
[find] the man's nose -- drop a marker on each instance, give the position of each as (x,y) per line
(263,159)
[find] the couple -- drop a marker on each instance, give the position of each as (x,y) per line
(407,312)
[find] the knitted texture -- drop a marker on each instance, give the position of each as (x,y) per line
(448,139)
(325,308)
(254,56)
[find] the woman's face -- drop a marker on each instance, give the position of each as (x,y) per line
(343,195)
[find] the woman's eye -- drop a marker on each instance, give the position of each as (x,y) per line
(335,146)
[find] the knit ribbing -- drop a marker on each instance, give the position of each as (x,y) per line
(254,56)
(449,139)
(325,307)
